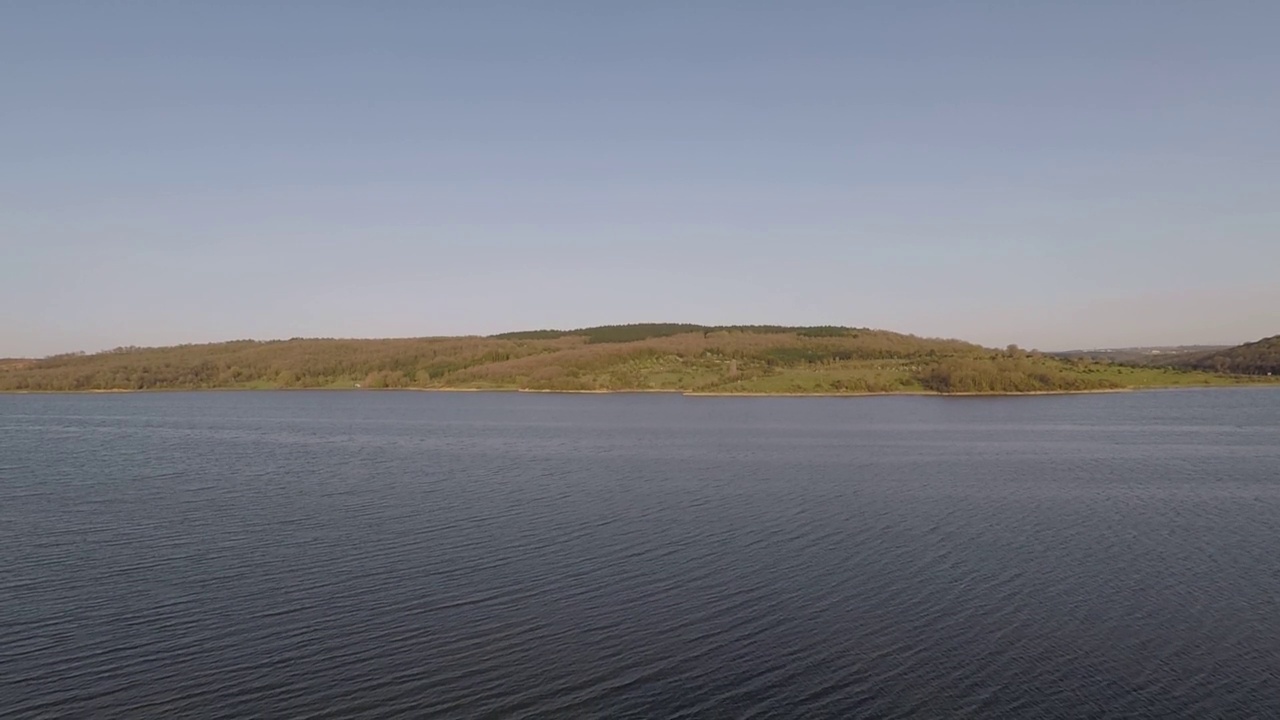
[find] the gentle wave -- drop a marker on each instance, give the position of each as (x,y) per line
(382,555)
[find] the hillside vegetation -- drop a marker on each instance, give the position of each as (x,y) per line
(1255,358)
(672,357)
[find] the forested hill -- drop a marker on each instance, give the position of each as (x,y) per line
(646,331)
(1255,358)
(675,357)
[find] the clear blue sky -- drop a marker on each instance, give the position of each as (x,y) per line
(1053,174)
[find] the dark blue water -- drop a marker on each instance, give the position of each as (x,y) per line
(349,554)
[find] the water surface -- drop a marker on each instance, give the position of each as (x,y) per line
(348,554)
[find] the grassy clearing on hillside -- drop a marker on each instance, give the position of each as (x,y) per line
(1139,377)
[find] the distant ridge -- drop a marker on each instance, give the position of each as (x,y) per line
(1142,355)
(644,331)
(672,357)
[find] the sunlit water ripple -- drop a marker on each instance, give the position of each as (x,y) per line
(353,555)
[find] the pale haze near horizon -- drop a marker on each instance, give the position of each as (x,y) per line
(1053,175)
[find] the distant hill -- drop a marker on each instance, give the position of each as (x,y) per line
(1152,355)
(1255,358)
(674,357)
(646,331)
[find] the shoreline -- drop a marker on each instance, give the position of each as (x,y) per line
(655,391)
(920,393)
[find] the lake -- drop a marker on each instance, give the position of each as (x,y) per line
(405,554)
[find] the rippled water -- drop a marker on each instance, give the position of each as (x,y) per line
(347,554)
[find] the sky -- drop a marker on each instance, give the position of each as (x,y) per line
(1056,175)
